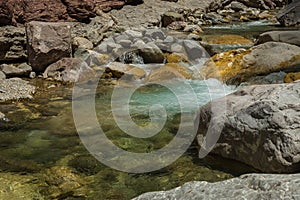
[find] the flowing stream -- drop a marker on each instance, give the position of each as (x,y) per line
(38,139)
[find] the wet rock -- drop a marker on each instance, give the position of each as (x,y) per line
(80,42)
(47,43)
(62,183)
(15,88)
(215,44)
(12,44)
(124,71)
(168,72)
(289,37)
(291,77)
(290,15)
(237,66)
(69,70)
(254,186)
(18,71)
(260,127)
(170,17)
(86,164)
(18,165)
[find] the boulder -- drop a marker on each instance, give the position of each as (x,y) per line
(260,127)
(168,72)
(126,72)
(12,44)
(2,75)
(80,42)
(151,53)
(69,70)
(290,15)
(289,37)
(169,17)
(47,43)
(250,186)
(238,66)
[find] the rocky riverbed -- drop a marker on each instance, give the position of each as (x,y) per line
(240,58)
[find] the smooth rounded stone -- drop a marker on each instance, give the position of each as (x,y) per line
(47,43)
(133,34)
(168,72)
(192,29)
(250,186)
(292,77)
(289,37)
(15,88)
(155,34)
(69,70)
(12,43)
(80,42)
(2,75)
(237,66)
(193,36)
(290,15)
(151,53)
(139,44)
(169,17)
(125,43)
(124,71)
(237,6)
(260,127)
(177,48)
(194,51)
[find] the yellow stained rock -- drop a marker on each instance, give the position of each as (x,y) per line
(226,39)
(291,77)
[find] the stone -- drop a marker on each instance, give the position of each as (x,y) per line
(292,77)
(151,53)
(237,6)
(289,37)
(260,127)
(133,34)
(194,51)
(12,44)
(47,43)
(69,70)
(252,186)
(155,34)
(169,17)
(238,66)
(168,72)
(92,58)
(15,88)
(290,15)
(124,71)
(192,29)
(80,42)
(19,71)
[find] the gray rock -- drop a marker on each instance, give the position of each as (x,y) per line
(19,71)
(260,127)
(177,48)
(47,43)
(272,57)
(155,34)
(133,34)
(194,51)
(125,43)
(2,75)
(80,42)
(273,78)
(249,186)
(290,15)
(151,53)
(289,37)
(12,44)
(32,75)
(237,6)
(15,88)
(169,39)
(69,70)
(92,58)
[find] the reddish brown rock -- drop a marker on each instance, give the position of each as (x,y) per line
(14,12)
(47,42)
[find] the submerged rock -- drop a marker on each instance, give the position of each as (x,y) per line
(47,43)
(251,186)
(260,127)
